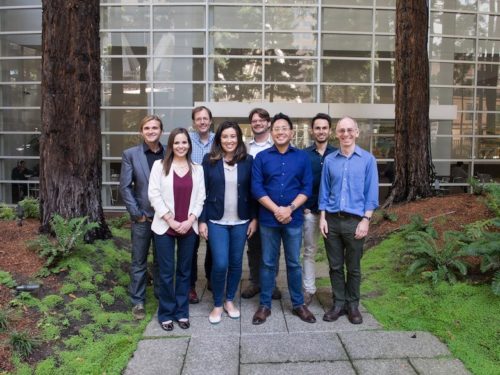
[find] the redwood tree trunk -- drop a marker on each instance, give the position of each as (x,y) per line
(412,159)
(70,142)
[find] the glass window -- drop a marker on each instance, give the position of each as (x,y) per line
(20,70)
(488,123)
(384,71)
(487,75)
(125,94)
(124,68)
(383,147)
(291,44)
(385,21)
(345,45)
(234,43)
(383,127)
(454,4)
(178,69)
(114,144)
(384,95)
(290,70)
(290,93)
(451,147)
(349,2)
(20,95)
(179,17)
(21,19)
(125,17)
(117,43)
(289,18)
(20,45)
(488,26)
(179,43)
(488,148)
(386,3)
(23,120)
(345,94)
(233,69)
(487,170)
(238,2)
(288,1)
(451,48)
(173,118)
(463,124)
(453,23)
(492,6)
(488,99)
(21,144)
(339,19)
(349,71)
(451,74)
(238,18)
(447,96)
(385,46)
(236,93)
(178,94)
(122,120)
(489,50)
(19,2)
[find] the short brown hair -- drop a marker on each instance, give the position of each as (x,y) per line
(199,109)
(261,112)
(150,118)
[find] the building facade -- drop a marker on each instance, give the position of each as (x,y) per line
(298,56)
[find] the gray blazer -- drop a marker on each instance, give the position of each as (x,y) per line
(134,180)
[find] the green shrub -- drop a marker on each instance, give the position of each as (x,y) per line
(107,299)
(6,279)
(4,322)
(31,207)
(120,292)
(418,224)
(46,367)
(22,343)
(68,288)
(88,286)
(99,278)
(119,221)
(53,301)
(432,262)
(6,213)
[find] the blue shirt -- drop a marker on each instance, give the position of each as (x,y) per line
(200,149)
(349,184)
(316,160)
(281,177)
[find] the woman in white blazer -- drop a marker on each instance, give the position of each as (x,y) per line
(177,193)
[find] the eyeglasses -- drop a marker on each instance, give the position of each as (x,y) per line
(349,131)
(281,129)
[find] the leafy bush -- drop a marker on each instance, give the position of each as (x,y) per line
(31,207)
(68,288)
(119,221)
(3,321)
(6,213)
(6,279)
(432,262)
(52,301)
(69,235)
(22,343)
(418,224)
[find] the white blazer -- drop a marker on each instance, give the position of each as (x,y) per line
(161,195)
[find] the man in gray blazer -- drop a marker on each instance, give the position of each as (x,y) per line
(134,179)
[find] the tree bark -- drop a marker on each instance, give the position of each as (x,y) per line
(70,142)
(412,152)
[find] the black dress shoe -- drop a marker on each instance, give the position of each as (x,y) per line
(261,315)
(193,297)
(276,294)
(250,291)
(304,314)
(184,324)
(167,326)
(354,315)
(333,314)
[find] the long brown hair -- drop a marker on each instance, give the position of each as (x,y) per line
(169,153)
(217,153)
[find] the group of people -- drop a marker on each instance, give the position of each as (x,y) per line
(266,193)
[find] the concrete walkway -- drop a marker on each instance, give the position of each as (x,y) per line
(285,344)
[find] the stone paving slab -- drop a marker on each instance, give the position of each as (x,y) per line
(316,368)
(274,323)
(209,355)
(291,347)
(294,324)
(200,326)
(159,356)
(385,345)
(315,307)
(384,367)
(441,366)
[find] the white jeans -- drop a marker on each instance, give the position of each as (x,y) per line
(311,233)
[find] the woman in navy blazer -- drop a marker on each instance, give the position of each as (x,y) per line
(229,214)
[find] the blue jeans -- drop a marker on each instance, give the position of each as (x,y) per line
(142,238)
(227,243)
(271,243)
(174,300)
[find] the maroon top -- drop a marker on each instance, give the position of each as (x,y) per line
(183,186)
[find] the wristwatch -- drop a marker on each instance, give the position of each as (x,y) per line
(367,218)
(292,206)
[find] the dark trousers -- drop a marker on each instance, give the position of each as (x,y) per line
(174,276)
(342,248)
(194,263)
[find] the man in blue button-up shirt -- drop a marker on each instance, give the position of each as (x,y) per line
(281,182)
(347,198)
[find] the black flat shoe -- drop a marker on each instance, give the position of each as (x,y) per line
(167,326)
(184,324)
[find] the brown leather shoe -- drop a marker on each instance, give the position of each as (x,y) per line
(193,297)
(250,291)
(354,315)
(304,314)
(333,314)
(261,315)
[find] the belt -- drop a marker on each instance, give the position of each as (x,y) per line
(344,215)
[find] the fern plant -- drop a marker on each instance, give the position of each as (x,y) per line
(69,234)
(31,207)
(418,224)
(432,262)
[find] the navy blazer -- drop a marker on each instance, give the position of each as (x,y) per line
(215,186)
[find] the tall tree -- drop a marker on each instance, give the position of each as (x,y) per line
(412,151)
(70,142)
